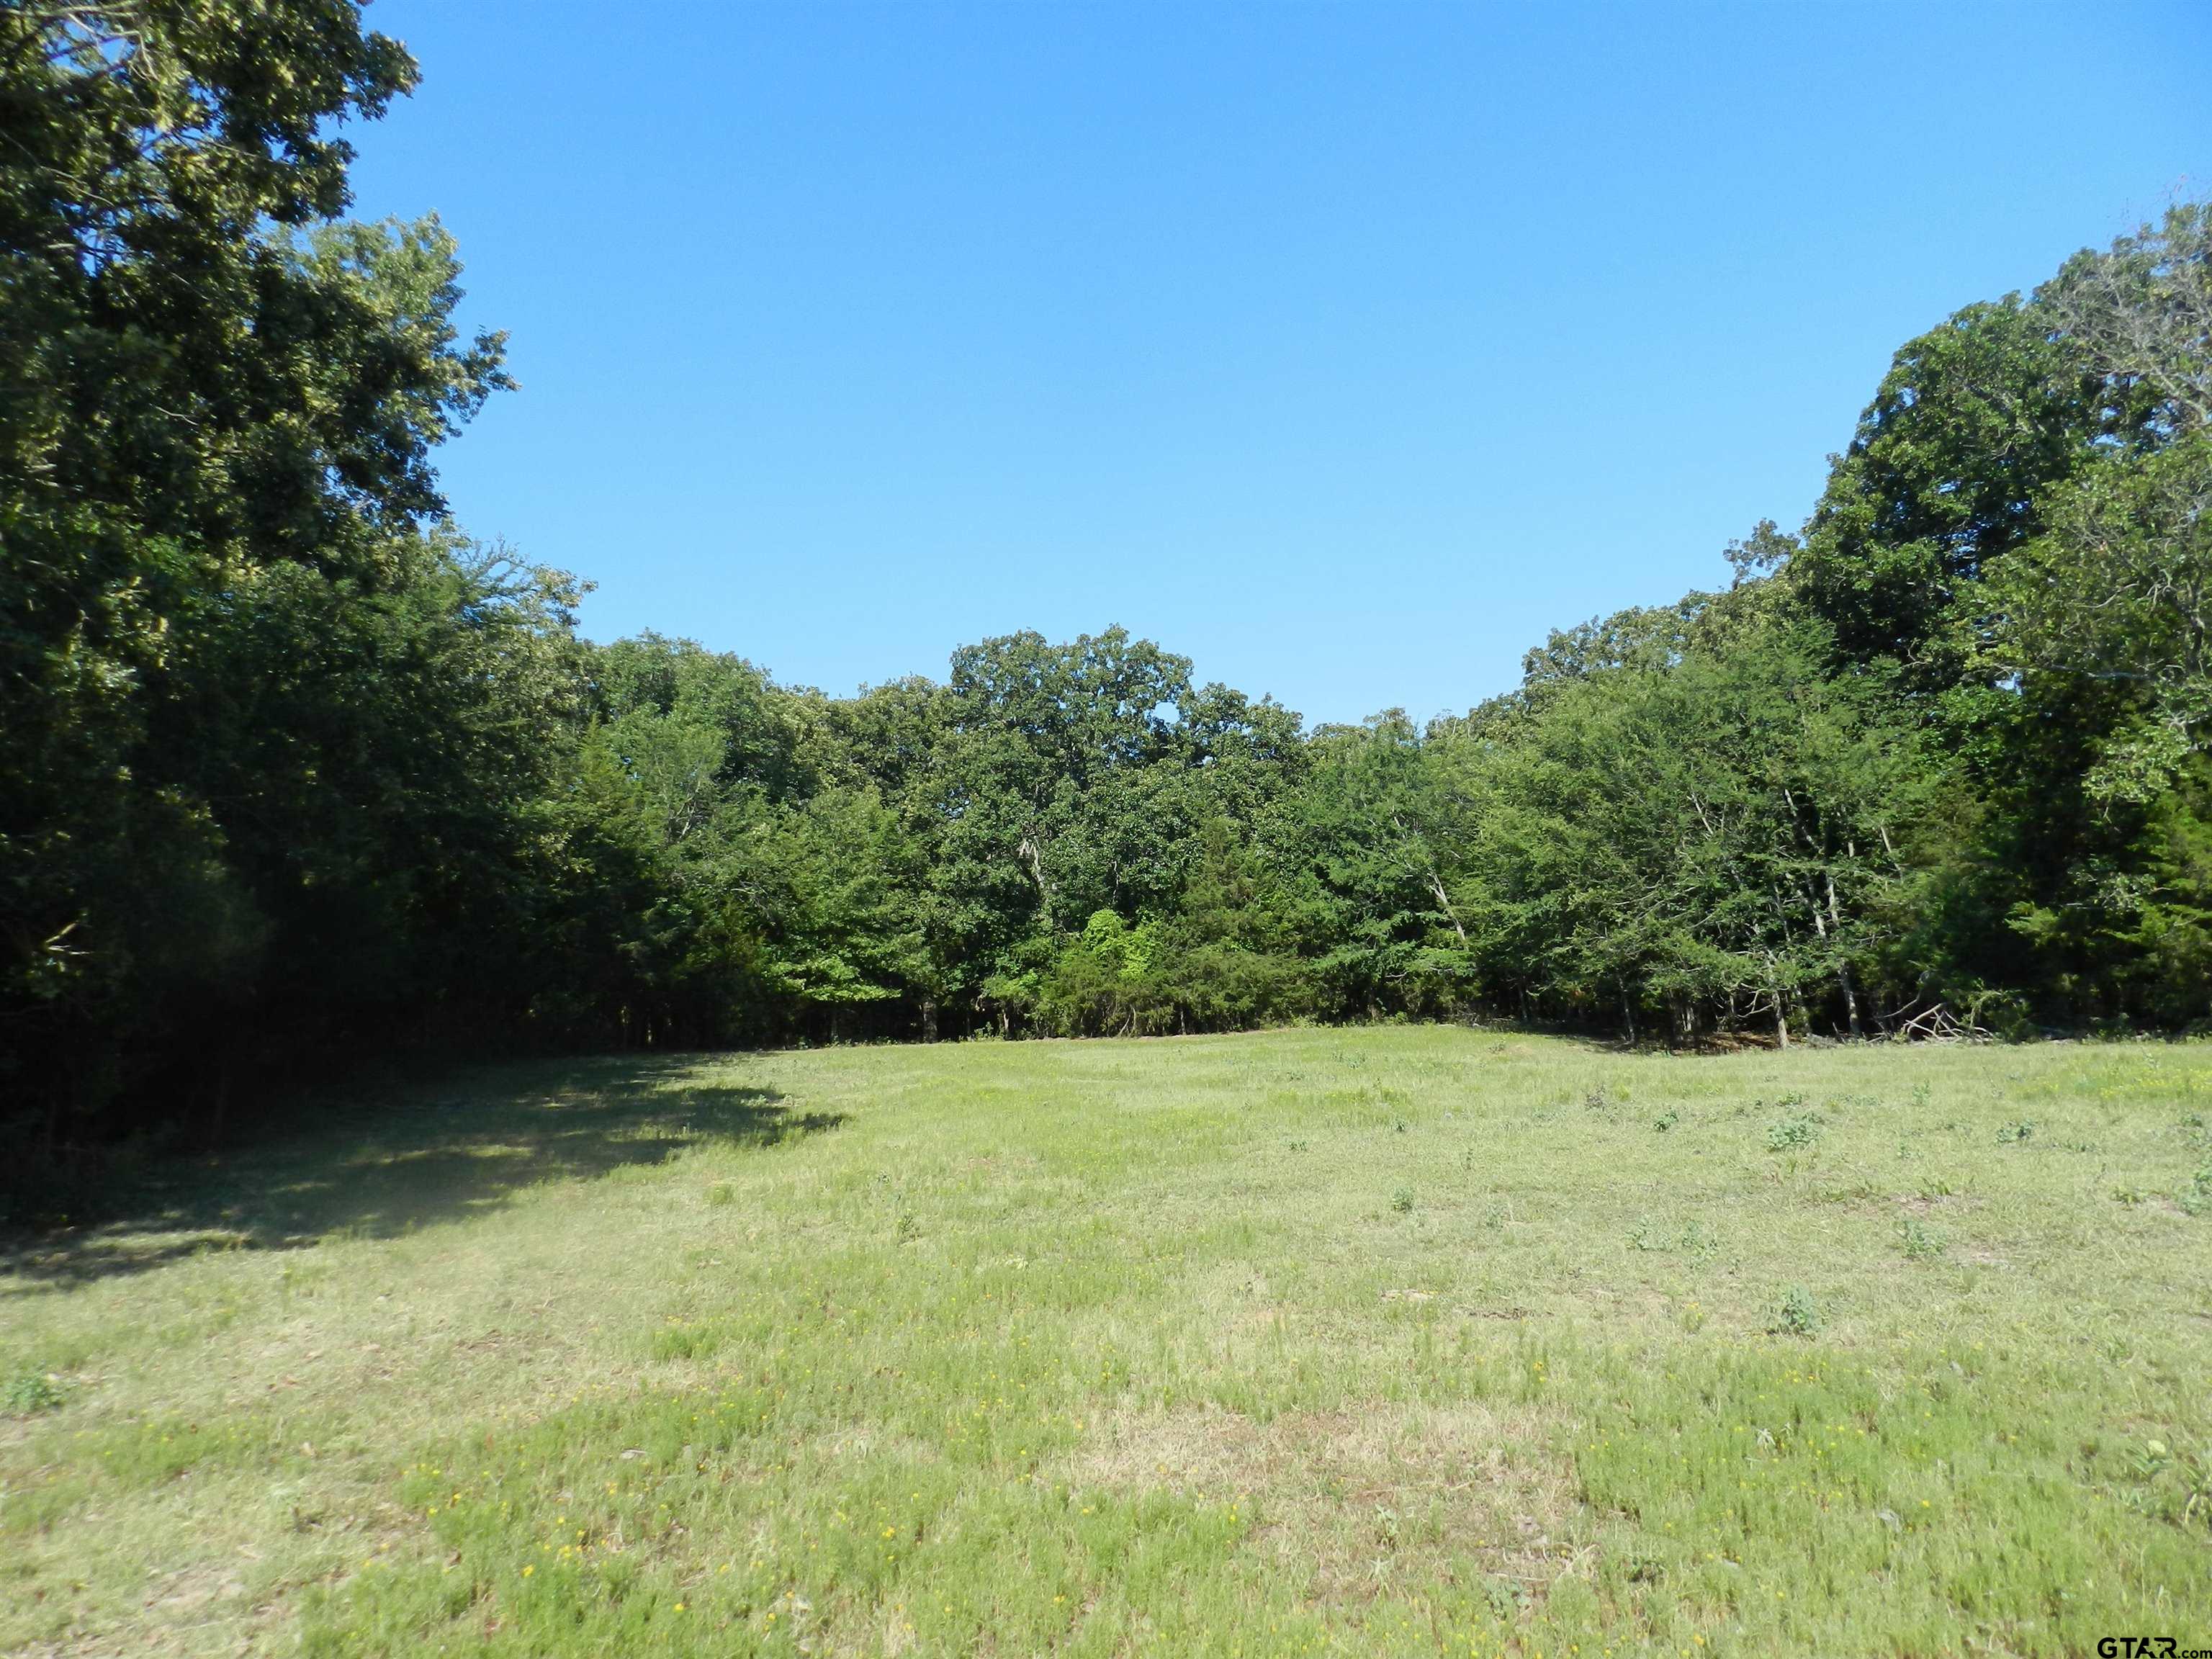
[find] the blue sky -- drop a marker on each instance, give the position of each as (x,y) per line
(1344,349)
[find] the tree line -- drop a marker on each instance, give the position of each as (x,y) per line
(294,768)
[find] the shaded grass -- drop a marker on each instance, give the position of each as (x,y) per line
(1409,1340)
(376,1168)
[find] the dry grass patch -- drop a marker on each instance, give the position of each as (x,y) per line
(1352,1502)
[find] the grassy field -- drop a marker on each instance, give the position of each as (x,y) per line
(1417,1340)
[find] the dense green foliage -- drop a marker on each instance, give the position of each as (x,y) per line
(293,766)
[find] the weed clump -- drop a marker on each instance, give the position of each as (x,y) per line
(2195,1199)
(1921,1242)
(29,1393)
(1798,1129)
(1795,1315)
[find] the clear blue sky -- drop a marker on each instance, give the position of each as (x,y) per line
(1343,348)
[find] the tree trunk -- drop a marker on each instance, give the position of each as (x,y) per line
(1030,857)
(1443,899)
(929,1019)
(221,1108)
(1842,968)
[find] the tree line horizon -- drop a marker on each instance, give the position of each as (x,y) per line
(298,770)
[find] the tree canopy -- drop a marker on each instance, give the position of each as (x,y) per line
(296,768)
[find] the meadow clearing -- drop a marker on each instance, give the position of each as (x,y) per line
(1407,1341)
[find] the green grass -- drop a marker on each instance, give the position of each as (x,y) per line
(1416,1341)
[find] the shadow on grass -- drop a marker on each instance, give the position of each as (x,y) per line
(426,1156)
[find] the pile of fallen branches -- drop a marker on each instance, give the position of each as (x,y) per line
(1931,1021)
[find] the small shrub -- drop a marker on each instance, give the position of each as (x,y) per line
(29,1393)
(1795,1315)
(1796,1130)
(2012,1134)
(1921,1242)
(1666,1119)
(1402,1199)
